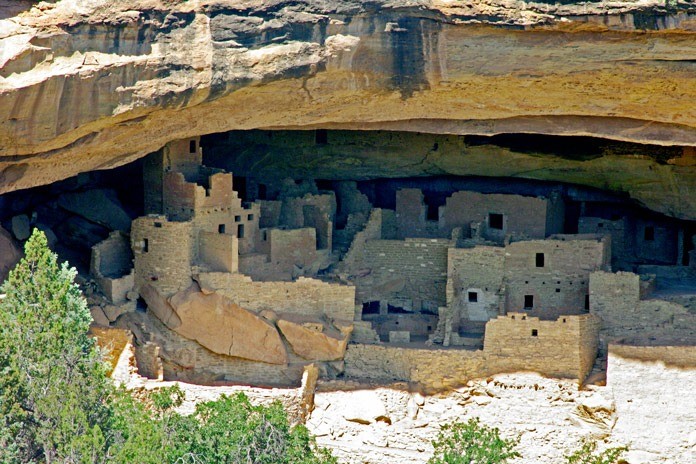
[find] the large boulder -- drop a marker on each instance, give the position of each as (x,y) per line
(313,340)
(225,328)
(21,226)
(99,205)
(159,306)
(10,254)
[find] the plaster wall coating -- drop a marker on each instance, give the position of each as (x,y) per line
(474,281)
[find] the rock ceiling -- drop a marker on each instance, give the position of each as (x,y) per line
(93,84)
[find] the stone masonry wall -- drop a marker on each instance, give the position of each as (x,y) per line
(308,297)
(476,271)
(411,269)
(355,256)
(561,285)
(566,347)
(218,252)
(615,298)
(562,348)
(410,213)
(163,253)
(522,216)
(620,254)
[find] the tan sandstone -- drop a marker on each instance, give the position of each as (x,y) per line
(225,328)
(312,341)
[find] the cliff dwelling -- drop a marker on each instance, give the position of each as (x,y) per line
(227,270)
(390,215)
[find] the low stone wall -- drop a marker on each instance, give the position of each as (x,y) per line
(307,297)
(564,348)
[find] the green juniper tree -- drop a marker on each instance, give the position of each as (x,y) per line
(57,404)
(53,387)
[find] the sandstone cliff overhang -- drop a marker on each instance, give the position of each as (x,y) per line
(93,85)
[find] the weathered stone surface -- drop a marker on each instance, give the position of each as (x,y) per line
(160,306)
(225,328)
(312,340)
(98,205)
(21,227)
(98,316)
(10,254)
(102,84)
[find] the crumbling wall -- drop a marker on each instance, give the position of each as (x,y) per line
(553,274)
(615,298)
(111,266)
(269,213)
(412,272)
(163,251)
(292,248)
(411,214)
(305,296)
(355,256)
(430,369)
(316,211)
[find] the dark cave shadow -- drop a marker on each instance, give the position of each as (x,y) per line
(11,8)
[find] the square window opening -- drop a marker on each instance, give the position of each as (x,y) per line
(649,234)
(535,333)
(473,297)
(495,221)
(221,229)
(250,217)
(158,225)
(237,218)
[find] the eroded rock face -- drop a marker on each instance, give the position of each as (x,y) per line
(93,85)
(10,254)
(225,328)
(312,340)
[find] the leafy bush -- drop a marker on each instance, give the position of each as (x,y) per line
(588,454)
(471,443)
(58,405)
(228,430)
